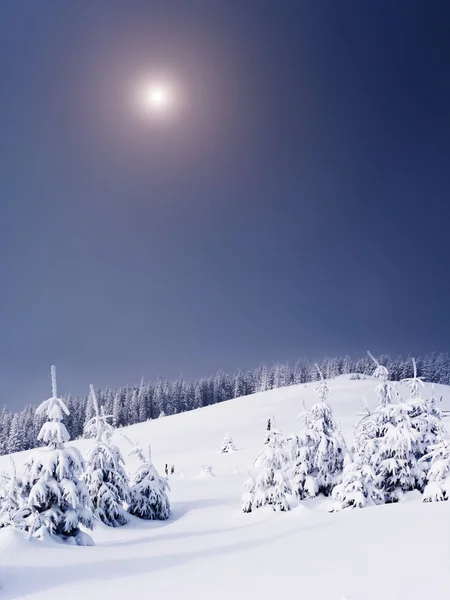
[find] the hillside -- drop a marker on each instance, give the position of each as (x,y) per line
(209,549)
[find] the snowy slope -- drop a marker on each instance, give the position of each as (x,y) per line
(209,549)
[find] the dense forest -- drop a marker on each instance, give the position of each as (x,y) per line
(151,400)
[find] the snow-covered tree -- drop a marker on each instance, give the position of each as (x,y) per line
(272,484)
(105,477)
(13,511)
(207,471)
(438,477)
(52,482)
(383,389)
(15,442)
(330,449)
(432,403)
(390,444)
(393,439)
(304,480)
(319,451)
(228,445)
(358,487)
(118,411)
(248,496)
(426,419)
(414,383)
(149,498)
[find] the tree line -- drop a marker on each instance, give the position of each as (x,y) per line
(150,400)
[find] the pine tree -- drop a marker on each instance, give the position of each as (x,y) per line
(106,480)
(90,412)
(389,443)
(247,500)
(304,480)
(134,402)
(118,413)
(13,511)
(271,485)
(227,445)
(52,485)
(383,389)
(143,413)
(438,478)
(5,427)
(319,450)
(426,419)
(149,498)
(15,441)
(358,487)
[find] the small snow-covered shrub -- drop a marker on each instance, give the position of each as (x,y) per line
(227,445)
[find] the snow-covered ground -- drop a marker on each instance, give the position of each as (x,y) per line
(209,549)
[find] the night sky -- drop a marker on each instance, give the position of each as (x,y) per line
(295,203)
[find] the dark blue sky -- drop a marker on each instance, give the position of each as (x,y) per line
(297,204)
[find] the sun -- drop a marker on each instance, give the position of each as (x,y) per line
(156,97)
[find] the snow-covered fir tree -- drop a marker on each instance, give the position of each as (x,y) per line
(149,498)
(13,510)
(393,439)
(432,402)
(227,445)
(15,440)
(271,486)
(105,477)
(248,496)
(303,479)
(415,384)
(319,450)
(426,419)
(383,389)
(330,450)
(438,476)
(52,484)
(358,487)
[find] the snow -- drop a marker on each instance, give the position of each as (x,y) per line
(209,549)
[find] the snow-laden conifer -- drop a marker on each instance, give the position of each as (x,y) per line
(391,440)
(105,477)
(358,487)
(432,402)
(426,419)
(272,485)
(304,480)
(383,389)
(438,476)
(227,445)
(52,483)
(248,496)
(149,498)
(319,451)
(13,510)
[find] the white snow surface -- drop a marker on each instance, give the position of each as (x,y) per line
(209,549)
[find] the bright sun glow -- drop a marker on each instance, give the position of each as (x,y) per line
(156,97)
